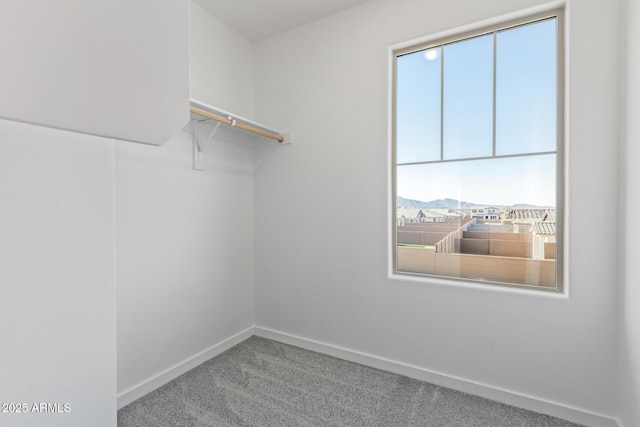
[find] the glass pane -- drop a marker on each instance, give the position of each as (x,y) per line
(468,98)
(418,106)
(526,68)
(490,219)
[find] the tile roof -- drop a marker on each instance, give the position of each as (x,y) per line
(518,214)
(408,212)
(544,227)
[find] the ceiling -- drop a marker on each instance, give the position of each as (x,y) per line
(259,19)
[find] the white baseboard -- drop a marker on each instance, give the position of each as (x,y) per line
(136,392)
(520,400)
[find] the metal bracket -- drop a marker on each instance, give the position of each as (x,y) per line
(199,144)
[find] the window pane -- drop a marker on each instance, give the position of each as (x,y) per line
(526,89)
(527,180)
(468,98)
(490,220)
(478,166)
(418,106)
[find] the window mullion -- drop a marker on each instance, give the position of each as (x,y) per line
(495,72)
(442,102)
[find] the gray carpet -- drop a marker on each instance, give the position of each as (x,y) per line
(266,383)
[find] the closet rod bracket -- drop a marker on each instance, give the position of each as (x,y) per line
(199,144)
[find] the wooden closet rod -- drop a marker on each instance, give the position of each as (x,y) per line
(232,122)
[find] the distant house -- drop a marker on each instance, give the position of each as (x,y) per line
(410,216)
(441,215)
(549,215)
(523,219)
(544,240)
(488,212)
(416,216)
(541,223)
(432,215)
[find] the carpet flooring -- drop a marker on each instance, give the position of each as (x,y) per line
(261,382)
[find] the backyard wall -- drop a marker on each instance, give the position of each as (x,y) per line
(495,267)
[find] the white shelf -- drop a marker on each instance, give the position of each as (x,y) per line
(216,123)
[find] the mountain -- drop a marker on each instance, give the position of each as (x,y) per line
(452,204)
(435,204)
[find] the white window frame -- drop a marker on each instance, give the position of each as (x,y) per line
(451,37)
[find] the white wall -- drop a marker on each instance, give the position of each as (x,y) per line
(57,285)
(185,253)
(73,205)
(328,82)
(221,72)
(185,238)
(110,68)
(629,374)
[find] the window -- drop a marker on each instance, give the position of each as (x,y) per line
(478,155)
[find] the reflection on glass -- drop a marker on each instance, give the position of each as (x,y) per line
(529,180)
(468,98)
(526,89)
(418,106)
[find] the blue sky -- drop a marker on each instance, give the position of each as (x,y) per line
(525,118)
